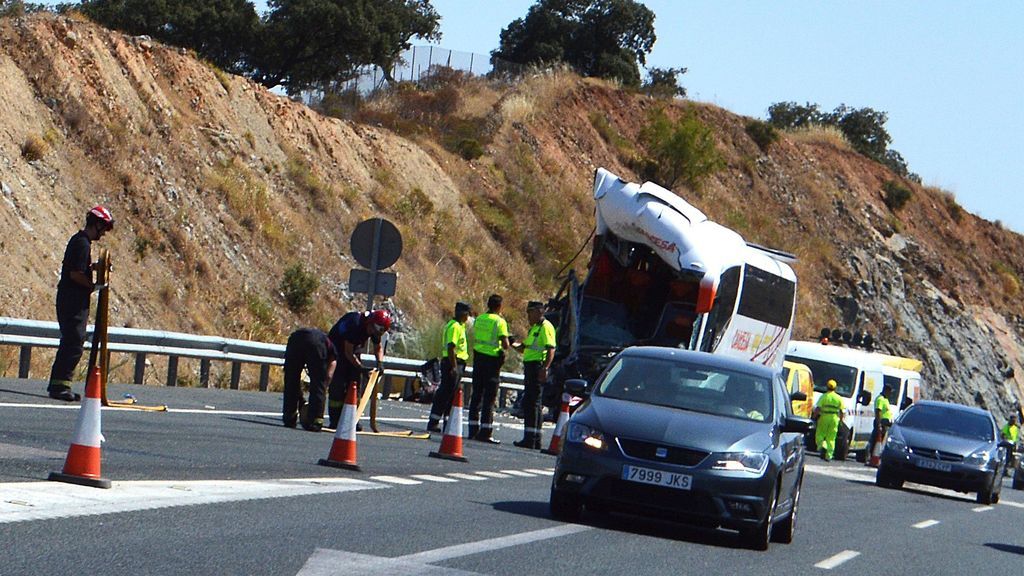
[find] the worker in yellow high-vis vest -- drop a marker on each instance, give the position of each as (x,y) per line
(538,353)
(454,355)
(829,412)
(883,419)
(490,340)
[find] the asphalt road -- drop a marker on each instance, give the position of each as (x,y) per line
(217,486)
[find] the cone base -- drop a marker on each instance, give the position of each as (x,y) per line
(337,464)
(448,457)
(80,480)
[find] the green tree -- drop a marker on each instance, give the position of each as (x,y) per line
(664,83)
(790,115)
(221,31)
(307,43)
(298,287)
(602,38)
(864,128)
(679,151)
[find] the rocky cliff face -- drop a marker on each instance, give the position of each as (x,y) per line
(219,185)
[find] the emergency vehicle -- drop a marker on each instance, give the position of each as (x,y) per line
(859,375)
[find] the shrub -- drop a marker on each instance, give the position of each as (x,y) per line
(34,148)
(682,150)
(664,83)
(414,205)
(896,195)
(611,136)
(762,133)
(469,149)
(298,287)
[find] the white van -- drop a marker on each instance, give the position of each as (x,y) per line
(859,377)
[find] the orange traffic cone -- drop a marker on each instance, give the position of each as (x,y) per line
(876,453)
(451,443)
(83,462)
(555,448)
(343,450)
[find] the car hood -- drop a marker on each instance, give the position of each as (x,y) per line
(676,427)
(943,442)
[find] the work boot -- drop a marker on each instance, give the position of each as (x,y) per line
(314,426)
(485,436)
(64,394)
(289,422)
(528,443)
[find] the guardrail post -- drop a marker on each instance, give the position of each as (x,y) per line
(204,373)
(140,368)
(236,374)
(264,377)
(24,361)
(172,370)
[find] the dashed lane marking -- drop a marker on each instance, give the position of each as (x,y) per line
(432,478)
(490,474)
(396,480)
(520,473)
(926,524)
(540,472)
(464,476)
(844,556)
(1010,503)
(982,509)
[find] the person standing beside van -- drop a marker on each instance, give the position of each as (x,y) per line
(883,419)
(829,412)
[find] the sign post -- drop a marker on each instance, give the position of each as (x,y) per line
(376,244)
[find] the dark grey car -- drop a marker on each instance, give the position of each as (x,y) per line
(686,436)
(946,445)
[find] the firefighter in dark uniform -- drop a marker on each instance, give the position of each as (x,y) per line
(538,352)
(73,291)
(454,354)
(490,340)
(311,349)
(350,335)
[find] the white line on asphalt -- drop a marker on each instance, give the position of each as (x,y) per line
(982,509)
(830,563)
(193,411)
(1011,503)
(539,472)
(464,476)
(25,501)
(926,524)
(396,480)
(432,478)
(490,474)
(449,552)
(520,473)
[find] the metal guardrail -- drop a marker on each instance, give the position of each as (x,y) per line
(29,334)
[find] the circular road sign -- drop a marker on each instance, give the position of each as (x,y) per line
(366,241)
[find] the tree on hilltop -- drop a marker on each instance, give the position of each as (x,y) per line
(602,38)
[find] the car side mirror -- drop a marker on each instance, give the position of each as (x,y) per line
(864,398)
(797,396)
(576,386)
(797,424)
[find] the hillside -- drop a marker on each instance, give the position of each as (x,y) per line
(219,185)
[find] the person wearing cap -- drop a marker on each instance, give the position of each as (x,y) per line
(73,291)
(350,335)
(882,421)
(454,354)
(1009,432)
(490,340)
(538,350)
(311,349)
(829,412)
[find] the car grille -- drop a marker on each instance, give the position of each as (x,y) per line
(657,500)
(673,454)
(935,454)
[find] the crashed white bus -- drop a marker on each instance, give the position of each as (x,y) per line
(661,273)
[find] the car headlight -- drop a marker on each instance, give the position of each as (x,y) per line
(896,443)
(978,458)
(590,437)
(754,462)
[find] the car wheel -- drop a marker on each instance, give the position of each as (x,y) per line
(565,507)
(887,479)
(783,532)
(758,538)
(985,495)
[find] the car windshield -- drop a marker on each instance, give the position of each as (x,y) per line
(948,420)
(679,384)
(845,376)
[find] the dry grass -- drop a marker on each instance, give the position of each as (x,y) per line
(248,198)
(517,108)
(829,135)
(34,148)
(550,86)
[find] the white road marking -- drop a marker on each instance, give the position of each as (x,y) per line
(1010,503)
(25,501)
(396,480)
(926,524)
(450,552)
(830,563)
(982,509)
(520,473)
(432,478)
(193,411)
(490,474)
(464,476)
(539,472)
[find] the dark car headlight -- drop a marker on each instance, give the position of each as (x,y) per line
(896,443)
(753,462)
(590,437)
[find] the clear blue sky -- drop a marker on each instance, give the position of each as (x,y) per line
(950,74)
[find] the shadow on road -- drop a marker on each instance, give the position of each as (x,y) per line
(20,393)
(267,421)
(530,508)
(1006,548)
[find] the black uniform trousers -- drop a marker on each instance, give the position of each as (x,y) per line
(531,402)
(305,349)
(445,391)
(344,375)
(72,316)
(486,374)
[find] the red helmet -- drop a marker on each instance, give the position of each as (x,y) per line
(103,215)
(381,318)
